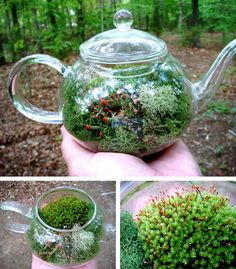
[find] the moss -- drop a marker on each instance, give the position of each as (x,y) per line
(103,112)
(124,141)
(65,212)
(193,230)
(132,254)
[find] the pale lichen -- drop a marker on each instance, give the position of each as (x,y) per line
(156,100)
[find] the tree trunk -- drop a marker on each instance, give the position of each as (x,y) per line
(195,24)
(161,12)
(114,6)
(102,15)
(37,30)
(80,20)
(2,58)
(15,20)
(51,14)
(16,29)
(181,19)
(9,32)
(147,23)
(156,17)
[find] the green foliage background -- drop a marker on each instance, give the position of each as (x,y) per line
(58,27)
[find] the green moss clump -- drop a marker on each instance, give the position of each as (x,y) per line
(65,212)
(194,230)
(131,252)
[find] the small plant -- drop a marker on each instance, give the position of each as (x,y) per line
(191,230)
(65,212)
(136,115)
(132,254)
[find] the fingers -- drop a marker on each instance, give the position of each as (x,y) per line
(74,154)
(90,265)
(82,162)
(176,161)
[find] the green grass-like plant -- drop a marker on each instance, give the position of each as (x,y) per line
(65,212)
(131,251)
(192,230)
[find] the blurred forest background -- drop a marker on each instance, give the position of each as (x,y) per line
(195,32)
(58,27)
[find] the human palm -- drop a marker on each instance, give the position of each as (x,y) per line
(173,161)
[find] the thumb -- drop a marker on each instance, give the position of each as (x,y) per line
(74,154)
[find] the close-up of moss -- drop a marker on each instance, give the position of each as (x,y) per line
(65,212)
(131,251)
(112,115)
(192,230)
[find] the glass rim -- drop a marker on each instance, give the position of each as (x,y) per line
(64,188)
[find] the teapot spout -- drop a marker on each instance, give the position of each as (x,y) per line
(205,89)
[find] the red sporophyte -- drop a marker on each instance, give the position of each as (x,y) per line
(87,127)
(104,119)
(96,116)
(124,95)
(100,134)
(110,100)
(118,97)
(103,102)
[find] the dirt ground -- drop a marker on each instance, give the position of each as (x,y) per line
(14,252)
(28,148)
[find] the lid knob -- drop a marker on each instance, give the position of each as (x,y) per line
(123,19)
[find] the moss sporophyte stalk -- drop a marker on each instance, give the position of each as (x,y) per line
(133,115)
(74,243)
(188,230)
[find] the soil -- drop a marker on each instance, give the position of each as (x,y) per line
(14,252)
(29,148)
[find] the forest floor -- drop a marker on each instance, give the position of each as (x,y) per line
(28,148)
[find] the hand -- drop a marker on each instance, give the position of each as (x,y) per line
(173,161)
(37,263)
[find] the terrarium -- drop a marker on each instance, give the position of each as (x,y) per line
(126,93)
(65,226)
(183,225)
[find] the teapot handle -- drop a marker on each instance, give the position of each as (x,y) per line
(16,93)
(16,207)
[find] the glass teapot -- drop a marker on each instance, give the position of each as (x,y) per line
(72,246)
(126,93)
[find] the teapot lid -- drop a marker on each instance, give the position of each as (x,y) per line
(123,44)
